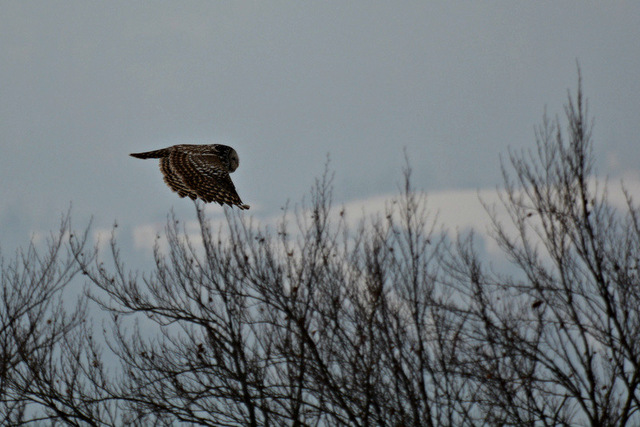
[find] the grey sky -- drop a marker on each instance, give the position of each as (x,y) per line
(83,84)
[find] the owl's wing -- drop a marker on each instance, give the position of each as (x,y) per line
(174,180)
(207,177)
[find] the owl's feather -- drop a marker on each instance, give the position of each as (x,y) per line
(199,171)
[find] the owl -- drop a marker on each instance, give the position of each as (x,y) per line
(199,171)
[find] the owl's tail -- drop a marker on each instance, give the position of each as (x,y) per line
(157,154)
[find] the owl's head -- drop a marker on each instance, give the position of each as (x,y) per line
(234,161)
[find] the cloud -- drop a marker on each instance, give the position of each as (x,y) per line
(456,211)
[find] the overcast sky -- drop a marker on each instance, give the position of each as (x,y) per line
(83,84)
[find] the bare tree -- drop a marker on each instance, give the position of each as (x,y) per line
(49,366)
(560,342)
(318,324)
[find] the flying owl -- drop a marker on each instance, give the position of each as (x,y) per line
(199,171)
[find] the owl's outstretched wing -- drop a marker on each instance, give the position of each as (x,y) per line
(174,180)
(202,175)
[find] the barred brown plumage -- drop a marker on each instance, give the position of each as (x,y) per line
(199,171)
